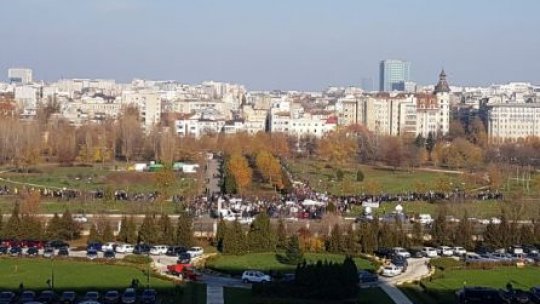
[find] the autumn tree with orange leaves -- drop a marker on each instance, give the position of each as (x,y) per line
(239,168)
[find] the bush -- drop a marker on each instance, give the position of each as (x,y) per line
(137,259)
(446,263)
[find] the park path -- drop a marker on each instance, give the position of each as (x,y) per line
(416,270)
(214,294)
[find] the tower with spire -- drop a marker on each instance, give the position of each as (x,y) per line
(442,95)
(442,86)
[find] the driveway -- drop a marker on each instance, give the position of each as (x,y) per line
(416,269)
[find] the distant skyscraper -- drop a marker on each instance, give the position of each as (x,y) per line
(22,76)
(393,74)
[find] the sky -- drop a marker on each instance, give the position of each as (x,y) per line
(272,44)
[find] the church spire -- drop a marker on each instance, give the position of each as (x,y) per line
(442,86)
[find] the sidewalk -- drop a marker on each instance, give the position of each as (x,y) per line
(394,293)
(214,295)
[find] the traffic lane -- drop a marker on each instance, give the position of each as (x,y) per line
(415,270)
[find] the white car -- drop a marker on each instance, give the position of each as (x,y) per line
(108,246)
(459,251)
(158,249)
(195,252)
(391,271)
(402,252)
(80,218)
(254,276)
(425,219)
(429,252)
(445,251)
(124,248)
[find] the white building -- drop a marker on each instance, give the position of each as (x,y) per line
(511,121)
(20,75)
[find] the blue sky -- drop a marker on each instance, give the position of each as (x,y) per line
(277,44)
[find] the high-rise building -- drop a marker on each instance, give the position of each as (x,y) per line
(19,75)
(393,74)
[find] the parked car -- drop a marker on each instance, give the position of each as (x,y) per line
(425,219)
(110,246)
(480,295)
(391,271)
(68,297)
(4,249)
(254,276)
(15,251)
(7,297)
(500,257)
(429,252)
(109,254)
(111,297)
(158,249)
(416,252)
(195,252)
(183,258)
(459,251)
(47,297)
(32,251)
(472,257)
(175,250)
(94,245)
(141,249)
(63,252)
(124,248)
(129,296)
(400,262)
(27,296)
(48,252)
(445,251)
(92,254)
(80,218)
(528,249)
(148,296)
(384,253)
(92,296)
(56,244)
(366,277)
(288,278)
(402,252)
(516,249)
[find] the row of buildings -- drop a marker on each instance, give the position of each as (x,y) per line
(510,111)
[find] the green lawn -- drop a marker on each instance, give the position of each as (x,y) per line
(84,276)
(322,178)
(267,261)
(442,289)
(244,296)
(92,178)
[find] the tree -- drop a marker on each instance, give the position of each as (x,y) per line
(293,253)
(239,168)
(13,227)
(270,168)
(94,236)
(32,228)
(495,176)
(440,229)
(393,152)
(359,175)
(54,227)
(107,234)
(184,230)
(31,203)
(148,232)
(337,147)
(1,225)
(68,228)
(234,241)
(260,237)
(350,244)
(166,230)
(417,233)
(281,234)
(127,233)
(220,234)
(464,233)
(164,181)
(335,242)
(339,175)
(430,142)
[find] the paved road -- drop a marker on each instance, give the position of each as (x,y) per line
(416,269)
(212,173)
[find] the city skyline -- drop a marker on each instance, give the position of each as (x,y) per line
(300,46)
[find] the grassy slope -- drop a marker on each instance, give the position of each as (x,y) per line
(268,261)
(443,288)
